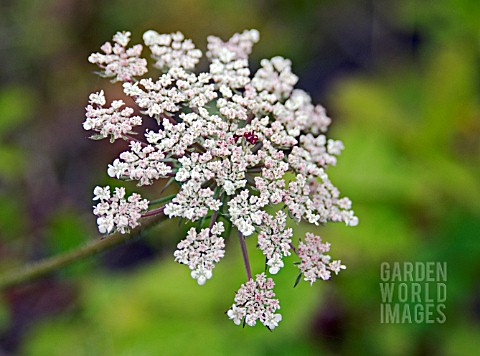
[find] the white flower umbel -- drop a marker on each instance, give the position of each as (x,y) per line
(115,212)
(276,77)
(192,202)
(118,62)
(171,90)
(239,45)
(232,146)
(113,121)
(200,251)
(142,163)
(274,240)
(244,211)
(314,263)
(172,50)
(255,301)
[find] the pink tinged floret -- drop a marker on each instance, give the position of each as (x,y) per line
(275,76)
(236,314)
(143,164)
(113,122)
(255,301)
(245,211)
(118,62)
(201,251)
(237,47)
(115,212)
(192,202)
(172,50)
(274,240)
(314,262)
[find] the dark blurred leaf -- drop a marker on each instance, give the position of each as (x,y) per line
(12,162)
(12,218)
(17,104)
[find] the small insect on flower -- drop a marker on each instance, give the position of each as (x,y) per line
(251,137)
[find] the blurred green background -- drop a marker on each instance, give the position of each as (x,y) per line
(400,80)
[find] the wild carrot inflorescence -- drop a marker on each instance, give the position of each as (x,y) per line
(250,150)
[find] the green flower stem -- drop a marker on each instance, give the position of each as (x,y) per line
(294,249)
(130,138)
(162,200)
(46,266)
(157,211)
(213,219)
(246,261)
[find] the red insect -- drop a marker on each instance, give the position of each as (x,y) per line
(251,137)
